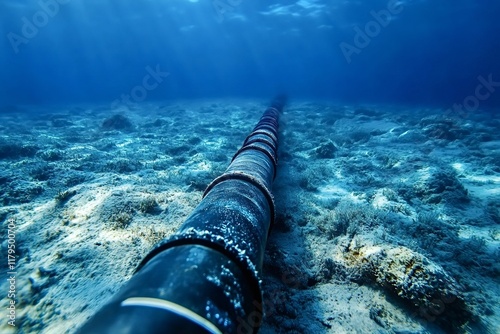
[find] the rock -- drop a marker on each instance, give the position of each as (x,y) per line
(365,112)
(443,128)
(117,122)
(16,151)
(326,150)
(434,294)
(60,123)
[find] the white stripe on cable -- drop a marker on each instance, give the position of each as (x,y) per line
(172,307)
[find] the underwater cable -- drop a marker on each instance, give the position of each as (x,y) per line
(206,277)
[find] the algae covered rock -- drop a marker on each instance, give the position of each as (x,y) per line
(326,150)
(16,151)
(435,185)
(443,128)
(435,295)
(413,277)
(117,122)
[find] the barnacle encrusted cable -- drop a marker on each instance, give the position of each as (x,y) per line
(206,278)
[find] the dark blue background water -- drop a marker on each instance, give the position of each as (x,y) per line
(431,53)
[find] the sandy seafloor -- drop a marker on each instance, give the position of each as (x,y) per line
(387,217)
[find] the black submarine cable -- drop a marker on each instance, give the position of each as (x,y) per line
(205,278)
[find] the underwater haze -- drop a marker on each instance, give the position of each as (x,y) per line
(116,116)
(412,52)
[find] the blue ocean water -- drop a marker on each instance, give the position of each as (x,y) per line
(116,115)
(412,52)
